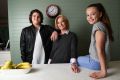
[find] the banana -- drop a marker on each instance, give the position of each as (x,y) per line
(7,65)
(14,66)
(23,65)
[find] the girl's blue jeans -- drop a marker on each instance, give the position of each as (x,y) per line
(88,62)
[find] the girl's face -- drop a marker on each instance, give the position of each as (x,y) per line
(93,15)
(61,24)
(36,18)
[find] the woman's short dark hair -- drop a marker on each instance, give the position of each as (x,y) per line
(33,11)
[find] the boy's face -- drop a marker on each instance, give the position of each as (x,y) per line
(36,18)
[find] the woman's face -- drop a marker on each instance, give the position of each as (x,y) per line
(61,24)
(93,15)
(36,18)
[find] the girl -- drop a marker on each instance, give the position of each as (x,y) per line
(100,39)
(65,47)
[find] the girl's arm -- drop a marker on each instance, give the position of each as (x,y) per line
(100,46)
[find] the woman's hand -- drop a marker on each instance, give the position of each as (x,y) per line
(98,75)
(54,36)
(75,68)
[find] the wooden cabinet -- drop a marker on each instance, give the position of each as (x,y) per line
(3,13)
(3,8)
(4,32)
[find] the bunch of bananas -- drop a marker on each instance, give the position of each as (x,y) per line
(10,65)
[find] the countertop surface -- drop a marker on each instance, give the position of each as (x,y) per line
(62,72)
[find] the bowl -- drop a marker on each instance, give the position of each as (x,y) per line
(15,71)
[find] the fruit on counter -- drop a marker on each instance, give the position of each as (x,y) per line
(23,65)
(14,66)
(7,65)
(10,65)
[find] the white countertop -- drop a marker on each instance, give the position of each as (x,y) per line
(62,72)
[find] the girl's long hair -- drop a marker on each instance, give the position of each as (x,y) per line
(104,18)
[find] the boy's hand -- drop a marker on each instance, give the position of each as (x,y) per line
(54,36)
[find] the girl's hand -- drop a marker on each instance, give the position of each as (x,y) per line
(75,68)
(98,75)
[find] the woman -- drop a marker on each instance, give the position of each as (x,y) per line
(65,47)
